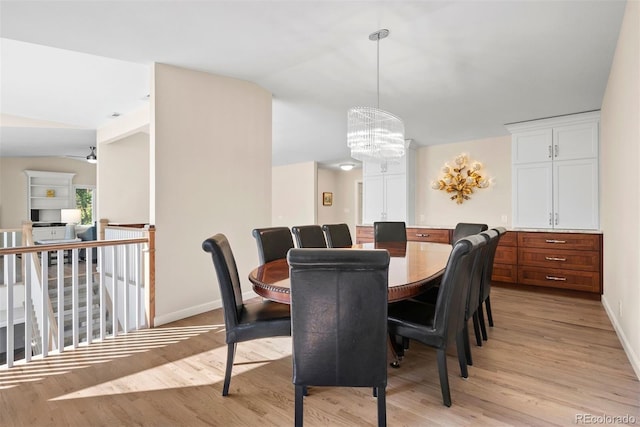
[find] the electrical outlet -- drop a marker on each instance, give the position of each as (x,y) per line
(503,218)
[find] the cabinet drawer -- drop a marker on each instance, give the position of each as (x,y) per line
(506,255)
(566,279)
(510,238)
(557,258)
(436,235)
(579,241)
(505,273)
(364,234)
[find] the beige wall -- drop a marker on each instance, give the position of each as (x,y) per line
(210,150)
(13,182)
(489,205)
(294,195)
(123,176)
(343,186)
(620,184)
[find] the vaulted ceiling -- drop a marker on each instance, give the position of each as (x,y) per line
(451,70)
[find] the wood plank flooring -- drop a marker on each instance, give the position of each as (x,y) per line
(548,360)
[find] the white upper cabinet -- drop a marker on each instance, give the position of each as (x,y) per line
(555,172)
(389,190)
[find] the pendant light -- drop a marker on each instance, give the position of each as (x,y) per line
(373,134)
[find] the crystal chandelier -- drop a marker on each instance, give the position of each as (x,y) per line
(374,134)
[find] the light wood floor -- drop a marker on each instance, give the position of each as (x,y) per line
(548,360)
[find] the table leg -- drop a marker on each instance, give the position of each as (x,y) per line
(392,355)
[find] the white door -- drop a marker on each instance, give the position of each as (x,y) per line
(373,199)
(572,142)
(533,197)
(396,197)
(532,146)
(576,194)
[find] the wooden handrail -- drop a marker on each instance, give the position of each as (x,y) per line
(69,246)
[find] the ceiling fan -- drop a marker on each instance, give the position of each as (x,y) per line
(91,158)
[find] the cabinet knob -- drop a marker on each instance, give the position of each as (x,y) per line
(421,235)
(550,152)
(557,279)
(553,258)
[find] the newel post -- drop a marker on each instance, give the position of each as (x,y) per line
(150,271)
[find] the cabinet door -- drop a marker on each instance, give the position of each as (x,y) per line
(58,233)
(395,197)
(576,194)
(372,199)
(532,195)
(41,233)
(578,141)
(532,146)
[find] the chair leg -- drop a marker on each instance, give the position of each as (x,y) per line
(382,407)
(462,356)
(298,405)
(483,327)
(476,329)
(444,376)
(487,303)
(465,343)
(231,351)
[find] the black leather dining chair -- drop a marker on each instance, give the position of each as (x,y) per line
(464,229)
(437,325)
(338,235)
(485,286)
(473,299)
(243,322)
(389,231)
(339,321)
(273,243)
(309,236)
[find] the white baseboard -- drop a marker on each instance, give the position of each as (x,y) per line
(631,355)
(194,310)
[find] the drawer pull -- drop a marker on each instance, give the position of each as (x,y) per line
(553,258)
(559,279)
(555,241)
(421,235)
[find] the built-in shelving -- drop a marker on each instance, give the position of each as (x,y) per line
(47,193)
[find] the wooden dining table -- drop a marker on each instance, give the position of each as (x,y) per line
(414,268)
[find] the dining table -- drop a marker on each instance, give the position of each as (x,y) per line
(414,268)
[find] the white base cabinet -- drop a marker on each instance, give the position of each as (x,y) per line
(555,172)
(48,233)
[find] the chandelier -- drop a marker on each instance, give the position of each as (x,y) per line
(374,134)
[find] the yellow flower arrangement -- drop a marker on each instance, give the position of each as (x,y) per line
(460,179)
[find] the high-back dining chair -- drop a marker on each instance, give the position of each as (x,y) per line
(243,322)
(464,229)
(273,243)
(339,321)
(473,297)
(338,235)
(485,286)
(389,231)
(436,325)
(309,236)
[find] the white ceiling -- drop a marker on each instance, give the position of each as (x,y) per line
(452,70)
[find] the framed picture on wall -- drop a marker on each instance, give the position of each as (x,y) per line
(327,199)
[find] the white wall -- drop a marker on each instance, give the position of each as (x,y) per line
(13,182)
(295,199)
(620,186)
(123,177)
(488,205)
(210,151)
